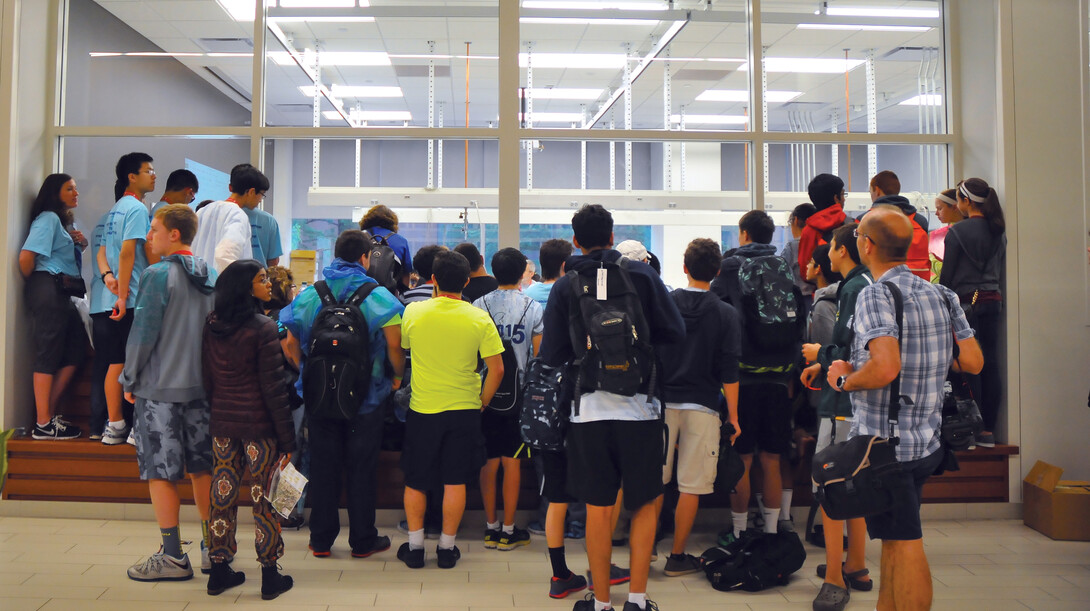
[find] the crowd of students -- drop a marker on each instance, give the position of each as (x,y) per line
(208,362)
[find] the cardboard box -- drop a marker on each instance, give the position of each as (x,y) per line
(1059,509)
(303,266)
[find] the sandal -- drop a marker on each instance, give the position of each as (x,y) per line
(852,579)
(831,598)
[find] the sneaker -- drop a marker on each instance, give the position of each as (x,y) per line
(380,544)
(447,558)
(113,436)
(320,553)
(683,564)
(222,577)
(560,588)
(617,576)
(785,526)
(587,604)
(510,541)
(131,439)
(492,538)
(95,437)
(294,522)
(430,532)
(985,440)
(726,537)
(161,567)
(650,605)
(56,430)
(413,558)
(536,528)
(206,562)
(575,530)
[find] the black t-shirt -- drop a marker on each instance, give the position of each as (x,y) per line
(479,287)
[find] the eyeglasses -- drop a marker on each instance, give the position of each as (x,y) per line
(150,172)
(263,280)
(856,234)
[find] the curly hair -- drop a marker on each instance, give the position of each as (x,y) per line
(282,281)
(379,216)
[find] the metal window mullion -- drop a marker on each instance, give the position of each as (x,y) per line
(528,118)
(509,142)
(872,113)
(757,86)
(431,115)
(667,107)
(257,88)
(612,157)
(316,144)
(439,153)
(583,150)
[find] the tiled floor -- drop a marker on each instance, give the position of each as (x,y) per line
(80,564)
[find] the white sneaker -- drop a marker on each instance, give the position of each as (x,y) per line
(113,436)
(161,567)
(131,439)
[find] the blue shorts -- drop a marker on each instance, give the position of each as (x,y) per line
(902,523)
(172,439)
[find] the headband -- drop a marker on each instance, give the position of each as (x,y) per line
(971,196)
(948,200)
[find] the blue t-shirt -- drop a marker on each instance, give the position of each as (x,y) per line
(398,244)
(159,204)
(539,292)
(102,300)
(264,235)
(518,319)
(127,220)
(55,250)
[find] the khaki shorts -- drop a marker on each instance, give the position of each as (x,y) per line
(694,441)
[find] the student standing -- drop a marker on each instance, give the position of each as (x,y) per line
(946,208)
(182,187)
(264,236)
(552,254)
(121,260)
(224,235)
(422,263)
(827,193)
(797,222)
(382,224)
(518,320)
(480,283)
(162,376)
(252,431)
(443,441)
(49,254)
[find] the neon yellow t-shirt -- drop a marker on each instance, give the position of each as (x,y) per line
(445,336)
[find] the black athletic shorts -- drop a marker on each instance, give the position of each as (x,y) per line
(764,413)
(444,449)
(111,336)
(607,455)
(502,435)
(554,485)
(60,339)
(902,523)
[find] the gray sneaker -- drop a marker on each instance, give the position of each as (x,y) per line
(114,437)
(683,564)
(785,526)
(161,567)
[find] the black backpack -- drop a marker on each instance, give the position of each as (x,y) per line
(337,373)
(610,337)
(384,265)
(543,416)
(754,562)
(509,394)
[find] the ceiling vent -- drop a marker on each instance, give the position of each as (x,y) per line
(227,45)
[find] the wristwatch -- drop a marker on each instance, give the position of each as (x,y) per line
(102,276)
(840,382)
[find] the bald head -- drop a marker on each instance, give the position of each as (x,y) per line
(889,230)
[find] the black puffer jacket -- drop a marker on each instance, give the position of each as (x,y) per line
(243,368)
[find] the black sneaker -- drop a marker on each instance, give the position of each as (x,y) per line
(560,588)
(56,430)
(683,564)
(492,538)
(447,558)
(985,440)
(508,542)
(650,606)
(413,558)
(587,604)
(380,544)
(617,576)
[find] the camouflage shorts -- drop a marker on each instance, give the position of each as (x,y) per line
(172,439)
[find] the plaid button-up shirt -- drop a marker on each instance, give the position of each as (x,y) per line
(931,311)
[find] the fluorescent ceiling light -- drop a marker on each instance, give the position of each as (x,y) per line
(808,65)
(321,3)
(712,119)
(334,58)
(579,21)
(864,11)
(928,99)
(563,93)
(221,54)
(104,54)
(863,28)
(372,115)
(610,61)
(581,5)
(741,95)
(241,10)
(339,19)
(555,117)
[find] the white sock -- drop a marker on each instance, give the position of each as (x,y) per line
(770,515)
(740,521)
(492,525)
(446,541)
(118,425)
(43,424)
(601,606)
(416,539)
(508,529)
(785,504)
(639,599)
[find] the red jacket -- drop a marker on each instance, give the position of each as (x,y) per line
(816,227)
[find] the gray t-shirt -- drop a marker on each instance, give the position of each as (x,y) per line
(518,318)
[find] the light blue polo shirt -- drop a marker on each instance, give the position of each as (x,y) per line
(55,250)
(127,220)
(264,235)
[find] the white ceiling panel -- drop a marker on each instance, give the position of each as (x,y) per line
(190,10)
(130,10)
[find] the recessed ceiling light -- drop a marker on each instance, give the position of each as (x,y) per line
(712,119)
(581,21)
(808,65)
(580,5)
(863,11)
(589,61)
(928,99)
(372,115)
(863,28)
(741,95)
(563,93)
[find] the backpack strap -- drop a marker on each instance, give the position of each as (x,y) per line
(324,293)
(895,385)
(357,297)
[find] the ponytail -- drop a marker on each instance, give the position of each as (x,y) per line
(119,188)
(984,198)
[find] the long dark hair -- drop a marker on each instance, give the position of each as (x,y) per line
(235,301)
(993,212)
(49,199)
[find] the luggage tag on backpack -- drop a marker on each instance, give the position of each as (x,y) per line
(600,291)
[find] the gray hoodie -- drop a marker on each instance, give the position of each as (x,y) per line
(163,355)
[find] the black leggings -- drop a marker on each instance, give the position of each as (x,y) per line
(987,388)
